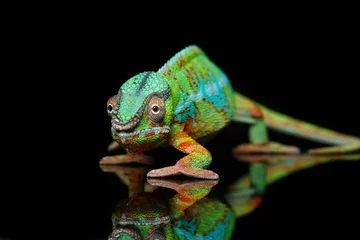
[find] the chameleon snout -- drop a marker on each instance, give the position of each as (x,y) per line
(124,126)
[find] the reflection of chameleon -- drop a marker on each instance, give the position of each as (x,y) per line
(187,101)
(191,213)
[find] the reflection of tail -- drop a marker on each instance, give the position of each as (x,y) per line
(244,195)
(292,126)
(295,164)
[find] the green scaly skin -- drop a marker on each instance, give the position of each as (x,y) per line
(191,213)
(185,103)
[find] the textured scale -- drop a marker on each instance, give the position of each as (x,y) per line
(144,84)
(203,93)
(185,103)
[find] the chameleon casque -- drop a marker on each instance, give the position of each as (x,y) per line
(185,103)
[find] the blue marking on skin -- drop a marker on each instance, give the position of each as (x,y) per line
(211,91)
(187,229)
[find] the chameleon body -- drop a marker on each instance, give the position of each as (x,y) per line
(185,103)
(192,212)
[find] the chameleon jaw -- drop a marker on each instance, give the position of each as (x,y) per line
(142,140)
(124,221)
(129,232)
(140,133)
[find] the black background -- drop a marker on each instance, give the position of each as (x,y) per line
(304,66)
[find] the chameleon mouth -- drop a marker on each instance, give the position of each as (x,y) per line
(140,133)
(118,232)
(154,221)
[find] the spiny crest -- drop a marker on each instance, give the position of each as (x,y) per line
(134,92)
(180,59)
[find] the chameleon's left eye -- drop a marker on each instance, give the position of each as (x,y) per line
(156,109)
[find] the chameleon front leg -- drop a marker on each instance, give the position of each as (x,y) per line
(191,165)
(127,158)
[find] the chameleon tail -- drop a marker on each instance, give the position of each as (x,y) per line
(248,110)
(280,122)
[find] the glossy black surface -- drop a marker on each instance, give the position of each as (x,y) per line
(52,186)
(80,200)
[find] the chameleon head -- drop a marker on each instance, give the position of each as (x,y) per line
(145,215)
(141,113)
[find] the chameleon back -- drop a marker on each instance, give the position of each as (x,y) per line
(202,94)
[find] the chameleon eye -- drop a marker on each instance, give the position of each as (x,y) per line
(156,109)
(111,105)
(110,108)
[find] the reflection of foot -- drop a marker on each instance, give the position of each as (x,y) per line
(187,171)
(271,147)
(128,158)
(179,185)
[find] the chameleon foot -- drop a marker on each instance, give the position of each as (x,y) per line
(271,147)
(128,158)
(187,171)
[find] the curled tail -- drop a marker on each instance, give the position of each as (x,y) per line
(286,124)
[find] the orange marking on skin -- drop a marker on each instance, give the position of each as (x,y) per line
(256,111)
(181,62)
(186,199)
(185,145)
(255,202)
(112,101)
(149,134)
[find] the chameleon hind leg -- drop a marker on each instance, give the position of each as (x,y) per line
(249,112)
(192,165)
(259,142)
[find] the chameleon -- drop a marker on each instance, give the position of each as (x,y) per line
(193,210)
(185,103)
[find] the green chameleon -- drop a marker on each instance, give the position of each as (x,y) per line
(192,211)
(185,103)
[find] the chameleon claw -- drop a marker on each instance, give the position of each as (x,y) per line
(190,172)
